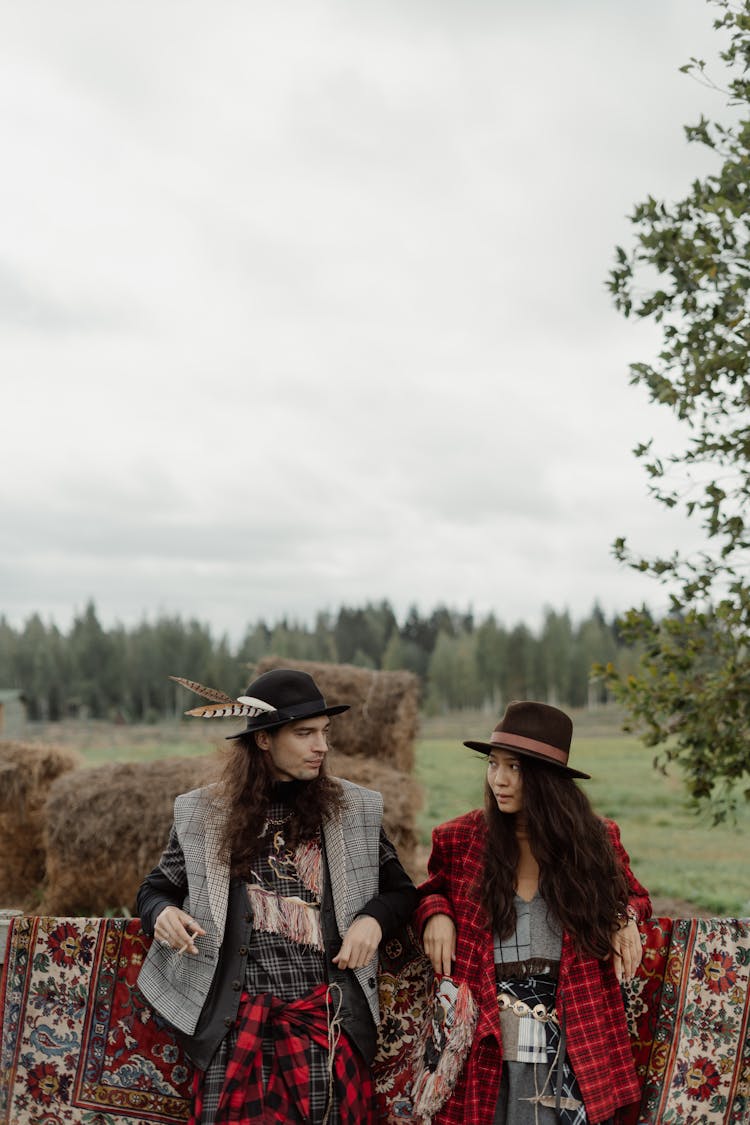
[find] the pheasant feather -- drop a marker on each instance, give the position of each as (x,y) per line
(230,710)
(206,692)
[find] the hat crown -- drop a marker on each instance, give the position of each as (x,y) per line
(538,721)
(286,687)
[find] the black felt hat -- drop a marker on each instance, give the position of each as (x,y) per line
(284,695)
(534,730)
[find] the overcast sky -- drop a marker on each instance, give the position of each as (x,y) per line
(304,304)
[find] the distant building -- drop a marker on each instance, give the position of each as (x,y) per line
(12,713)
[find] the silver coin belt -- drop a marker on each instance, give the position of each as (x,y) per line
(521,1008)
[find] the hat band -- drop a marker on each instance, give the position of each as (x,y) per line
(500,738)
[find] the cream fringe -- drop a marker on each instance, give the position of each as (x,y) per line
(307,861)
(291,917)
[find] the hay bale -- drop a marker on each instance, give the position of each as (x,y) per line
(106,829)
(402,799)
(383,718)
(27,770)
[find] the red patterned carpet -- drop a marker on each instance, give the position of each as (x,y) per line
(80,1046)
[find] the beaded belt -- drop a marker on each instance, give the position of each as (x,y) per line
(521,1008)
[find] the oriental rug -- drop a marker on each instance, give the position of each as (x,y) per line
(699,1071)
(642,996)
(79,1044)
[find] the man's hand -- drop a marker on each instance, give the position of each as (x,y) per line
(627,950)
(360,943)
(177,929)
(439,940)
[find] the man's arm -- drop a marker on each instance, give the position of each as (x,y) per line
(160,900)
(385,913)
(394,904)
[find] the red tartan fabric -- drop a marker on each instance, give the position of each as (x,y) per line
(287,1098)
(588,993)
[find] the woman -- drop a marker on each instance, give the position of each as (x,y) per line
(532,904)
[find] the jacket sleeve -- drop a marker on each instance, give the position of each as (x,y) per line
(166,885)
(639,901)
(393,905)
(433,894)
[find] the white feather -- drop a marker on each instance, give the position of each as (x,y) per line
(251,701)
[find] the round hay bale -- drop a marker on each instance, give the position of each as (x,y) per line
(383,718)
(106,829)
(27,770)
(402,799)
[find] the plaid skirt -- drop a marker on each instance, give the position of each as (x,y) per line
(542,1075)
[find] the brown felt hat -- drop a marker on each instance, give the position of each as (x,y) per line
(534,730)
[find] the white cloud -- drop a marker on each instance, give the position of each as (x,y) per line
(305,304)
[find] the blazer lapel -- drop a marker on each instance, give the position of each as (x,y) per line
(333,834)
(217,870)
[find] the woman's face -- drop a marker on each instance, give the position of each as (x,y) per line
(505,779)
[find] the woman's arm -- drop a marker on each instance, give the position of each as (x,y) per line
(435,918)
(627,948)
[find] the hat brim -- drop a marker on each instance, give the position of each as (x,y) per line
(567,771)
(282,719)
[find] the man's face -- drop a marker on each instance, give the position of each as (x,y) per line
(296,751)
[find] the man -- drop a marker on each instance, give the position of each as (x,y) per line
(268,906)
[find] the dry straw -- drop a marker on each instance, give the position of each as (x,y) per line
(106,829)
(27,771)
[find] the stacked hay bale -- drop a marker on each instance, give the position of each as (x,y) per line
(27,772)
(373,744)
(106,828)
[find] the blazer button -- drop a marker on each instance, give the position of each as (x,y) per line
(236,985)
(228,1021)
(371,983)
(242,950)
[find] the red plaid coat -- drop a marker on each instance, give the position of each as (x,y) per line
(588,994)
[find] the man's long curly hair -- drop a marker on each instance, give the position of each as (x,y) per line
(580,878)
(245,789)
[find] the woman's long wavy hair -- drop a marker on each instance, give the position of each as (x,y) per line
(580,879)
(245,789)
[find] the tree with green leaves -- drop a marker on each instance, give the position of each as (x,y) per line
(689,272)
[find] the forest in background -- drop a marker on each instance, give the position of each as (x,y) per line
(462,661)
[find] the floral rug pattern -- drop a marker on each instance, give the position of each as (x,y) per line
(699,1072)
(79,1045)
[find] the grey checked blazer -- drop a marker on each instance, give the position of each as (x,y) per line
(177,986)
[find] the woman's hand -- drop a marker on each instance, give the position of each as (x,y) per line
(627,950)
(360,943)
(177,929)
(439,940)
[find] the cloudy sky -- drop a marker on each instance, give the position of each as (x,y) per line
(304,303)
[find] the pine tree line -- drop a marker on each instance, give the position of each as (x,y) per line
(461,661)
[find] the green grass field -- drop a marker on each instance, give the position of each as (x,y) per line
(675,853)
